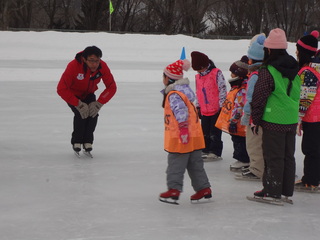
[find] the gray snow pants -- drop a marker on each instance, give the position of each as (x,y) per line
(177,165)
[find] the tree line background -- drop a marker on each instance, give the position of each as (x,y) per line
(201,18)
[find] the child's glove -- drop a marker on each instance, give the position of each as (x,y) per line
(184,132)
(233,128)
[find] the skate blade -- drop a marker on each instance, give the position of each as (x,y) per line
(77,154)
(306,190)
(201,201)
(262,200)
(212,159)
(235,169)
(286,200)
(169,200)
(88,154)
(242,178)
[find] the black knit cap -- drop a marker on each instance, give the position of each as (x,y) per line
(308,43)
(240,68)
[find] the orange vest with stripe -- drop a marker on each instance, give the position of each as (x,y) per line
(223,121)
(172,141)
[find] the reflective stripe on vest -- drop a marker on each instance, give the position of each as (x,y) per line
(172,141)
(223,121)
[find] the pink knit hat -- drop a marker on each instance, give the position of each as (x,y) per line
(276,40)
(175,70)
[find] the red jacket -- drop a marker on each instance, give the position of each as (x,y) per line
(77,82)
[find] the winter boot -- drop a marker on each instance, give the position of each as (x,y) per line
(203,193)
(170,196)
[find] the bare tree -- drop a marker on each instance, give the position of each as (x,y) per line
(93,12)
(22,11)
(193,15)
(5,10)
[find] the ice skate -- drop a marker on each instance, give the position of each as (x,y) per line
(299,186)
(247,176)
(171,196)
(76,148)
(286,199)
(210,157)
(87,148)
(237,166)
(204,193)
(262,197)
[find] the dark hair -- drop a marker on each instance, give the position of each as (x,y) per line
(92,50)
(304,58)
(273,55)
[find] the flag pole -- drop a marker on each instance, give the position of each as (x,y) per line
(110,15)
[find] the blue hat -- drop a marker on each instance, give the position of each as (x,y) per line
(255,50)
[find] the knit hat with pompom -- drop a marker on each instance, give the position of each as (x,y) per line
(309,43)
(240,68)
(175,70)
(255,50)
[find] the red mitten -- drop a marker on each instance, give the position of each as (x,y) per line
(184,133)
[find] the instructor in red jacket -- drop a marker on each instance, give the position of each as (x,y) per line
(77,86)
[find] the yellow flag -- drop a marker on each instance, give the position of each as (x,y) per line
(110,7)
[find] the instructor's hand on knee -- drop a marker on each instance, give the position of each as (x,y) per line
(83,109)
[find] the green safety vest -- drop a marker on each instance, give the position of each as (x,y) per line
(281,108)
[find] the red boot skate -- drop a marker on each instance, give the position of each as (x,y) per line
(203,193)
(170,196)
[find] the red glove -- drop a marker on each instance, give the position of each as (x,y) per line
(184,132)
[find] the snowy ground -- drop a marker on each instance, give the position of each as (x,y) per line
(46,193)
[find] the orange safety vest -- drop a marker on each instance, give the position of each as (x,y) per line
(223,120)
(172,141)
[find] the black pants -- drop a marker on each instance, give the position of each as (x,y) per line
(311,149)
(280,166)
(240,149)
(83,129)
(212,135)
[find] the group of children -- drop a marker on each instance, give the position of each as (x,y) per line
(260,112)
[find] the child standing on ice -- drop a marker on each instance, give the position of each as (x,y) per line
(183,137)
(231,112)
(211,92)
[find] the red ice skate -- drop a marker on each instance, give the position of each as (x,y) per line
(170,196)
(203,193)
